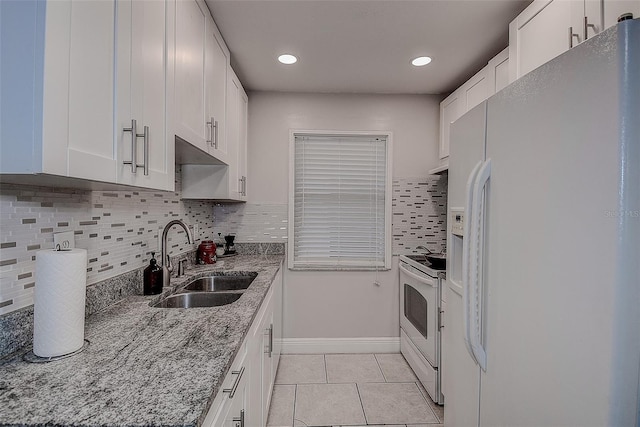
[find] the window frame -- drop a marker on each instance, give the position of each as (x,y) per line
(387,204)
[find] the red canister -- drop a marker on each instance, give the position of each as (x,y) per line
(207,252)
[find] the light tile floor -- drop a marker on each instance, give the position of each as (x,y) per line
(350,390)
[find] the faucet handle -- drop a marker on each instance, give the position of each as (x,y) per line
(181,267)
(169,266)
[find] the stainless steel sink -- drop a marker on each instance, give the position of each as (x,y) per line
(198,299)
(217,283)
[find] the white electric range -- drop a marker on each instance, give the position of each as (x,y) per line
(421,314)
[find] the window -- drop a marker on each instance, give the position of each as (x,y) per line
(340,201)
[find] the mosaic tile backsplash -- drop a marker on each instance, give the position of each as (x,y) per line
(119,229)
(419,216)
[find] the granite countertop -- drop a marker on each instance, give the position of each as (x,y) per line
(144,366)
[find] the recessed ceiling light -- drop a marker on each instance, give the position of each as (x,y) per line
(287,59)
(421,60)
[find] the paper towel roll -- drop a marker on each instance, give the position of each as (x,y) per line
(60,293)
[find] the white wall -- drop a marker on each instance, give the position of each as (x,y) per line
(338,304)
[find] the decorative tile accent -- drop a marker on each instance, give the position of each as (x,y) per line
(119,229)
(419,214)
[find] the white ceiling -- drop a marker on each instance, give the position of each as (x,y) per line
(362,46)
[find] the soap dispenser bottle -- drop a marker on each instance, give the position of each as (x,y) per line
(153,277)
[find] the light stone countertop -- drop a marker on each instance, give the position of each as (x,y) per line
(144,366)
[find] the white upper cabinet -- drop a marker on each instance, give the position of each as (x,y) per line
(541,32)
(225,182)
(450,110)
(491,79)
(103,65)
(547,28)
(145,143)
(216,60)
(498,72)
(58,97)
(202,60)
(190,119)
(476,89)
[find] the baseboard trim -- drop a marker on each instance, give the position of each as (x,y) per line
(341,345)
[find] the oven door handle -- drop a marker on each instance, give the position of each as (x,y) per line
(433,282)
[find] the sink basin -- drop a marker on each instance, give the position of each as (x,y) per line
(198,299)
(221,283)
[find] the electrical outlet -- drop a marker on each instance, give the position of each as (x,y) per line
(196,231)
(64,240)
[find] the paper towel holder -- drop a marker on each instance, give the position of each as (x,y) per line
(32,358)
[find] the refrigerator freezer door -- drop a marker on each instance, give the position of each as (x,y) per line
(461,374)
(558,144)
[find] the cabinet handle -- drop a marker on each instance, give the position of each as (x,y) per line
(571,36)
(270,339)
(244,185)
(587,26)
(234,387)
(145,135)
(210,128)
(134,148)
(134,137)
(239,422)
(213,135)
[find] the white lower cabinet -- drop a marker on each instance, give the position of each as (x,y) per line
(230,406)
(243,400)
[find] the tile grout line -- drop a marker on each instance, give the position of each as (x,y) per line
(295,396)
(326,374)
(364,414)
(426,399)
(380,367)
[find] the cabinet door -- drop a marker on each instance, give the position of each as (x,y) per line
(498,70)
(267,367)
(237,410)
(476,90)
(91,139)
(233,134)
(243,115)
(277,285)
(216,63)
(260,359)
(541,32)
(142,77)
(190,121)
(450,110)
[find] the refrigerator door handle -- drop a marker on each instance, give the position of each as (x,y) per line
(475,258)
(466,315)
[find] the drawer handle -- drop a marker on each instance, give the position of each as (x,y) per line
(234,387)
(239,422)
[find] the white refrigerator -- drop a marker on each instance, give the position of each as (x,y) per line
(542,326)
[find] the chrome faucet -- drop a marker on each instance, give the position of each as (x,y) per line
(424,249)
(167,268)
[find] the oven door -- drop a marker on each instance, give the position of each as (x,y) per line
(419,310)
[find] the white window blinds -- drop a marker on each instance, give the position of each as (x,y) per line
(341,202)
